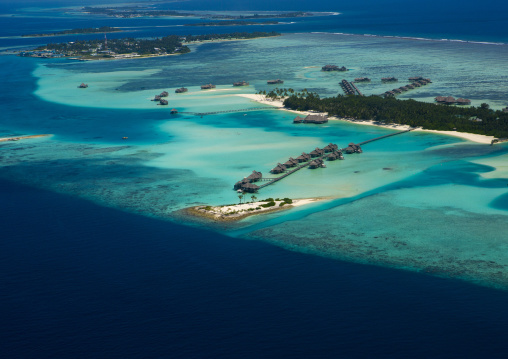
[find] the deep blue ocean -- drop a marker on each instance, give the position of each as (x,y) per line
(80,280)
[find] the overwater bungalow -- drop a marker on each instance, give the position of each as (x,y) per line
(255,176)
(416,84)
(335,155)
(280,168)
(163,102)
(440,99)
(362,79)
(291,162)
(164,94)
(207,87)
(352,148)
(241,83)
(330,147)
(238,185)
(316,119)
(83,86)
(298,119)
(463,101)
(181,90)
(273,82)
(173,111)
(416,78)
(410,86)
(389,79)
(333,68)
(318,152)
(249,187)
(304,157)
(317,163)
(397,90)
(449,100)
(156,98)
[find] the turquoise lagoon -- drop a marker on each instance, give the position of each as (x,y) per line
(417,201)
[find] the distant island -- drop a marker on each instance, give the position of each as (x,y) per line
(143,11)
(91,30)
(478,120)
(133,48)
(233,23)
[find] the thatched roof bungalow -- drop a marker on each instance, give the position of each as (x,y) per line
(335,155)
(463,101)
(250,187)
(255,176)
(274,82)
(291,162)
(298,119)
(362,79)
(389,79)
(318,152)
(241,83)
(164,94)
(181,90)
(330,147)
(238,185)
(333,68)
(317,163)
(317,119)
(304,157)
(207,87)
(353,148)
(450,100)
(280,168)
(163,102)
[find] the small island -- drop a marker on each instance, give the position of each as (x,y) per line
(235,212)
(479,120)
(91,30)
(123,48)
(143,11)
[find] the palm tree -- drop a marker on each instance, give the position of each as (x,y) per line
(240,196)
(253,197)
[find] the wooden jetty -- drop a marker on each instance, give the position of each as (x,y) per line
(335,154)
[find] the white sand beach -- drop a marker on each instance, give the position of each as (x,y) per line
(239,211)
(279,104)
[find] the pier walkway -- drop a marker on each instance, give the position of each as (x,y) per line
(286,174)
(381,137)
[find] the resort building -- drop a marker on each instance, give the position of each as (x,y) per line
(352,148)
(273,82)
(304,157)
(280,168)
(335,155)
(207,87)
(330,148)
(181,90)
(318,152)
(333,68)
(317,163)
(241,83)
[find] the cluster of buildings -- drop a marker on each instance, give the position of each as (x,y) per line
(449,100)
(316,119)
(314,159)
(160,98)
(416,82)
(333,68)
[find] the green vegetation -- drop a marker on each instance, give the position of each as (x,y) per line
(480,120)
(91,30)
(268,204)
(165,45)
(171,44)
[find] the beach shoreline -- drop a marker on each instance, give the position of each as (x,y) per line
(236,212)
(483,139)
